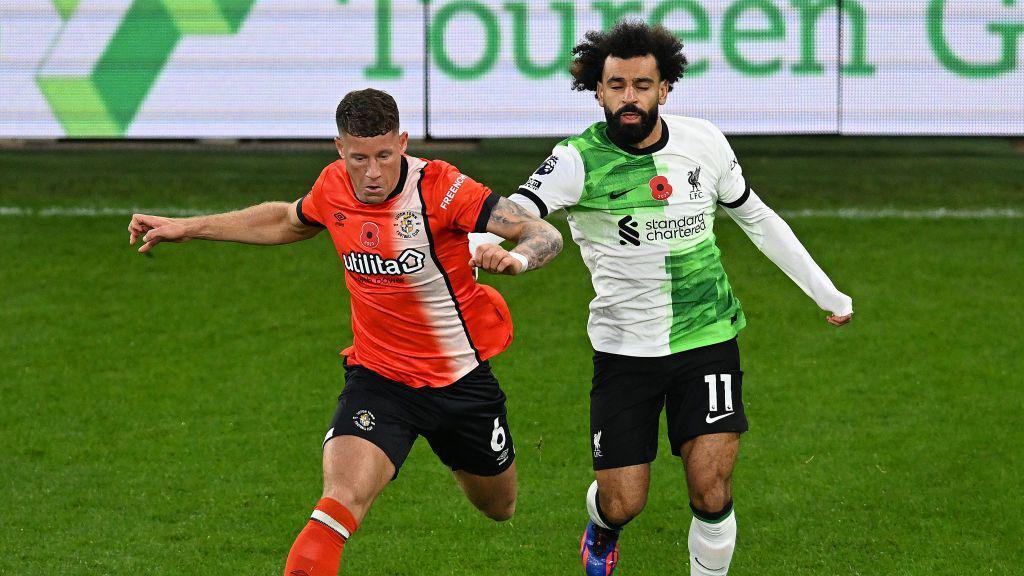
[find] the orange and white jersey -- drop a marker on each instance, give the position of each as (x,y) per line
(418,315)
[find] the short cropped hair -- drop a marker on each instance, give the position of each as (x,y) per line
(627,39)
(366,113)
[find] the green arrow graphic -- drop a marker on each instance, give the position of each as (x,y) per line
(103,101)
(66,8)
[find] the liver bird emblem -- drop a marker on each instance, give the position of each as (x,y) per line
(694,179)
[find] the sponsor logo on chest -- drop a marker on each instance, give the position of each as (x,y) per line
(660,229)
(675,228)
(409,261)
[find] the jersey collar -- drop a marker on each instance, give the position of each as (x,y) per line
(401,179)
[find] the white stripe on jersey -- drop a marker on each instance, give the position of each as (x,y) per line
(437,302)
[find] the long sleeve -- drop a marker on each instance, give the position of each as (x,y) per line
(772,236)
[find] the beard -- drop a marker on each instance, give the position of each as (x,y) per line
(631,133)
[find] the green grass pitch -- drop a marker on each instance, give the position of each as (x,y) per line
(164,415)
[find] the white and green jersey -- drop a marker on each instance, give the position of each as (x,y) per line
(644,222)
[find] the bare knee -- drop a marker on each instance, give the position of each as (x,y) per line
(622,492)
(711,494)
(709,462)
(494,496)
(620,506)
(355,501)
(355,472)
(357,497)
(500,509)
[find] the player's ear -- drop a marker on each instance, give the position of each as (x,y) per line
(403,141)
(599,93)
(340,145)
(663,88)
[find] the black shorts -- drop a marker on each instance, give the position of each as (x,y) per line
(700,389)
(464,422)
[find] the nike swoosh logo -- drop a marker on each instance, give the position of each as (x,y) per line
(711,420)
(619,194)
(705,567)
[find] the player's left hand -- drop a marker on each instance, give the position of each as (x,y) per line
(154,230)
(839,320)
(495,260)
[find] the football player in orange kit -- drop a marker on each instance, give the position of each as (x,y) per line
(423,328)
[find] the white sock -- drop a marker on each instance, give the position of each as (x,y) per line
(711,545)
(592,508)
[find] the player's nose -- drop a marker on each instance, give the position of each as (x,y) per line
(373,170)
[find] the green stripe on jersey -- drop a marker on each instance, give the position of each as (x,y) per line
(704,309)
(613,174)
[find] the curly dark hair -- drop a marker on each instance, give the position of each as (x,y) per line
(366,113)
(627,39)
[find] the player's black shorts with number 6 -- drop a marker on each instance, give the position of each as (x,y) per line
(464,422)
(700,390)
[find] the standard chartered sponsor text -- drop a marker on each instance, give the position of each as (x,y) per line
(675,228)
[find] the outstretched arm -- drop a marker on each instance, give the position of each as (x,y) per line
(537,242)
(268,223)
(776,240)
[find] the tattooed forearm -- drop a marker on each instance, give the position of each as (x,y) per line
(539,241)
(507,213)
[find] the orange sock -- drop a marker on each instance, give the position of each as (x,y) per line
(317,550)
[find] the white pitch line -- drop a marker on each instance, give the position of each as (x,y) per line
(897,214)
(839,213)
(102,211)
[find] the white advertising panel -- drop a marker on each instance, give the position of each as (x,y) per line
(938,67)
(501,68)
(498,68)
(200,68)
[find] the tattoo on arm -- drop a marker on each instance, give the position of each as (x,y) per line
(539,241)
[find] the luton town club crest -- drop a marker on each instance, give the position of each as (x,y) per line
(364,420)
(406,224)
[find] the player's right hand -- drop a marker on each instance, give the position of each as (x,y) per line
(842,311)
(839,320)
(495,260)
(154,230)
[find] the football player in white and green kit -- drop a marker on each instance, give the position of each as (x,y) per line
(641,191)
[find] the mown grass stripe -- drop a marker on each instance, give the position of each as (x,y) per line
(838,213)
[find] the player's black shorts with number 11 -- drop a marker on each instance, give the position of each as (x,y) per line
(700,390)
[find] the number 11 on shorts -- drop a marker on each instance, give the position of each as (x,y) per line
(712,380)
